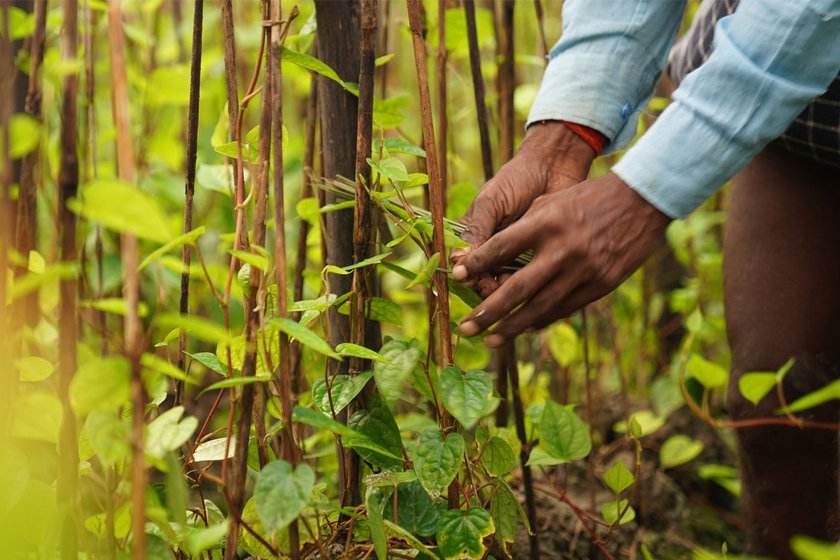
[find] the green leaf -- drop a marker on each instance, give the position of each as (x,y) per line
(563,436)
(503,508)
(645,420)
(707,373)
(498,456)
(416,512)
(117,306)
(468,396)
(390,167)
(123,208)
(210,361)
(15,465)
(618,478)
(34,369)
(755,386)
(24,135)
(168,432)
(310,63)
(186,239)
(109,435)
(252,259)
(808,548)
(160,365)
(31,282)
(563,343)
(200,539)
(376,423)
(428,271)
(100,384)
(305,336)
(611,510)
(828,393)
(350,350)
(461,533)
(216,177)
(376,259)
(350,437)
(196,327)
(344,389)
(437,461)
(677,450)
(234,382)
(281,492)
(400,359)
(381,60)
(376,523)
(464,294)
(398,145)
(37,416)
(214,450)
(400,533)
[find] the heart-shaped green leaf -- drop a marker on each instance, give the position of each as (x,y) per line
(416,512)
(468,396)
(436,461)
(376,423)
(281,493)
(460,533)
(677,450)
(343,390)
(618,478)
(563,437)
(498,456)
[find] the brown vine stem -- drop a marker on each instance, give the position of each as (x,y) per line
(524,454)
(478,89)
(68,186)
(303,231)
(582,515)
(236,483)
(442,118)
(541,26)
(788,420)
(364,233)
(290,450)
(435,203)
(189,186)
(590,415)
(128,246)
(26,310)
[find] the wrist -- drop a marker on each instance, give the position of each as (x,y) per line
(553,138)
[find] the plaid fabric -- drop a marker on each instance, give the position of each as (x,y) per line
(815,133)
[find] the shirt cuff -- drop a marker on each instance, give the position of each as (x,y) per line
(592,90)
(678,185)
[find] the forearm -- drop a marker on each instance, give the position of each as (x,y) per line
(603,69)
(770,60)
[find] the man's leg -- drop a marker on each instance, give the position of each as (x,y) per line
(782,296)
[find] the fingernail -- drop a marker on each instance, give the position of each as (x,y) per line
(494,340)
(469,328)
(459,272)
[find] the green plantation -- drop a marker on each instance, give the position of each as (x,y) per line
(229,324)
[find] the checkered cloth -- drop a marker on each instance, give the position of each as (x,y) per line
(815,133)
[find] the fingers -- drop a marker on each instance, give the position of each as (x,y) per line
(506,297)
(556,300)
(497,251)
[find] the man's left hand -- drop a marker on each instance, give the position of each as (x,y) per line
(587,240)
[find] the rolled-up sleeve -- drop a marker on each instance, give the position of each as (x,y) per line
(770,59)
(602,71)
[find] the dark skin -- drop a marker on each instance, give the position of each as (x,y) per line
(587,236)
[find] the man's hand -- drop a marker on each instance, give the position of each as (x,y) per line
(587,240)
(551,158)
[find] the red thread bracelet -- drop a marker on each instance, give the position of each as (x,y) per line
(589,135)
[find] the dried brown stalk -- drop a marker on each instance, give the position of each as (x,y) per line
(68,185)
(189,187)
(128,246)
(443,119)
(478,90)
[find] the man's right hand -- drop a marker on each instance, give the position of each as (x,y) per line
(551,158)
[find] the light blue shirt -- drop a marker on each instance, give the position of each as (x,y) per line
(770,59)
